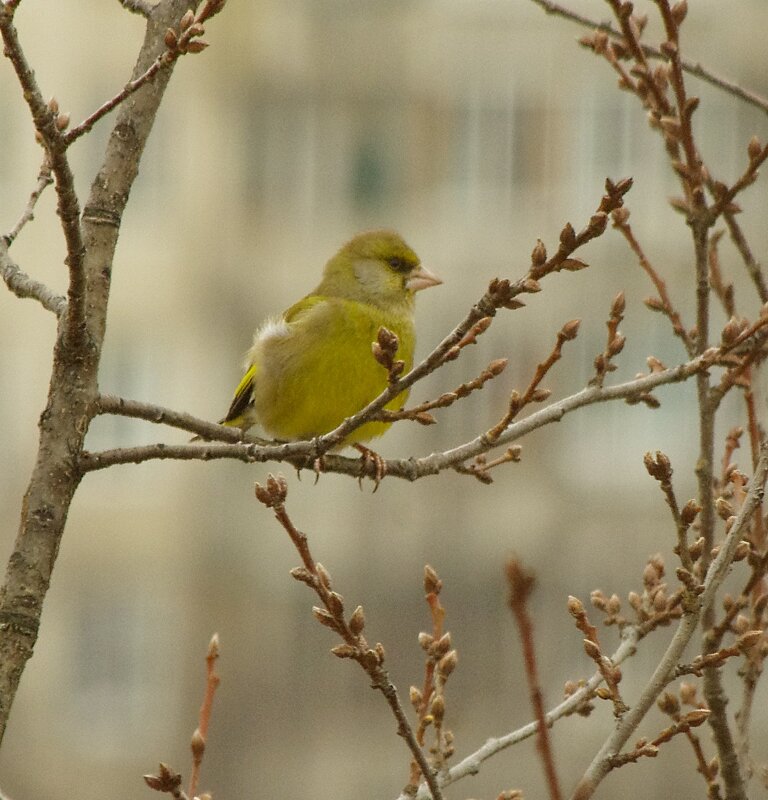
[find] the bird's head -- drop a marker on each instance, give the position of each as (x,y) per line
(377,267)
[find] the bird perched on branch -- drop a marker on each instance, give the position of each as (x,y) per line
(312,366)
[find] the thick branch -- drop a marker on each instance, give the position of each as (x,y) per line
(73,389)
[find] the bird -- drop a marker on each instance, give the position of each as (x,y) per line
(312,366)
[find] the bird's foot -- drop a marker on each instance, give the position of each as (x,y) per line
(318,466)
(379,465)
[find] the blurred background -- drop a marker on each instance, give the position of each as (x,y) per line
(473,128)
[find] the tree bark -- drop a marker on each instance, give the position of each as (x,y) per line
(73,391)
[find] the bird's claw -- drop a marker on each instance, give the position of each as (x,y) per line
(379,465)
(317,467)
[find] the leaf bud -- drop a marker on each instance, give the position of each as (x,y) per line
(323,617)
(575,606)
(742,551)
(678,11)
(442,645)
(323,575)
(592,649)
(570,330)
(335,603)
(437,708)
(197,745)
(187,19)
(425,640)
(196,46)
(724,508)
(357,621)
(170,38)
(753,148)
(668,704)
(689,512)
(568,237)
(539,254)
(748,640)
(344,651)
(432,583)
(447,663)
(696,717)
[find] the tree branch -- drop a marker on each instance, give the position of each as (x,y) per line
(355,646)
(470,765)
(43,181)
(142,7)
(44,120)
(716,573)
(73,390)
(692,68)
(411,469)
(23,286)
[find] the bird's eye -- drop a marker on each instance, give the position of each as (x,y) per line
(398,264)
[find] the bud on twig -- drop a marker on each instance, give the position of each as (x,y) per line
(357,621)
(447,663)
(432,583)
(197,745)
(539,254)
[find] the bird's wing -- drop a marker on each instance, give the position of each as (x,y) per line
(241,400)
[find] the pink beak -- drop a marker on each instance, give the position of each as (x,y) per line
(422,278)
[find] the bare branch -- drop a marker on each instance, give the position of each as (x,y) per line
(718,568)
(470,765)
(410,469)
(200,736)
(521,584)
(142,7)
(750,262)
(121,406)
(178,43)
(695,69)
(43,180)
(663,303)
(45,121)
(355,645)
(23,286)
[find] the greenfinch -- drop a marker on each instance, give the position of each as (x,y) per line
(312,366)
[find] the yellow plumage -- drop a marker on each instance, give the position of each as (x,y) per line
(312,367)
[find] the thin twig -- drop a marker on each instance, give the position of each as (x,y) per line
(470,765)
(436,646)
(692,68)
(200,736)
(664,304)
(355,646)
(133,86)
(521,584)
(723,290)
(68,204)
(121,406)
(532,394)
(718,568)
(410,469)
(23,286)
(660,469)
(44,180)
(750,262)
